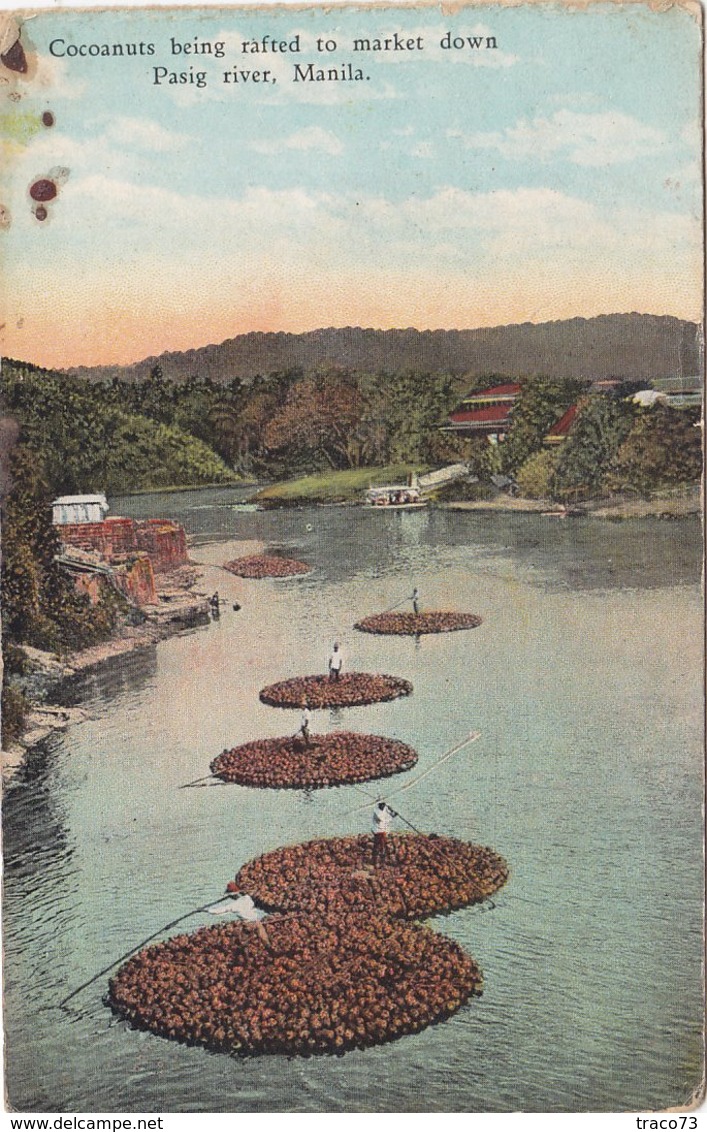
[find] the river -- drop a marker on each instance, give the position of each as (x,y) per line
(585,681)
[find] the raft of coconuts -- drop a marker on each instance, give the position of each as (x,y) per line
(352,689)
(413,624)
(266,566)
(323,760)
(422,875)
(315,985)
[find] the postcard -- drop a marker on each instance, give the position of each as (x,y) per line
(352,621)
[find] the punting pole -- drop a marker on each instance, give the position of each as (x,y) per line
(166,928)
(201,781)
(471,738)
(392,607)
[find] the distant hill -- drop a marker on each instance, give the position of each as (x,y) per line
(632,346)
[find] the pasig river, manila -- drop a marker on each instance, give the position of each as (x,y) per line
(585,682)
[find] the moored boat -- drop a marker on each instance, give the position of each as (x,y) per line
(395,495)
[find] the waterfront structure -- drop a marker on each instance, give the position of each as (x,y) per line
(680,392)
(79,509)
(127,552)
(561,428)
(486,412)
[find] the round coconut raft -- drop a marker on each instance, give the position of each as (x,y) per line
(328,760)
(319,985)
(413,624)
(422,875)
(352,689)
(266,566)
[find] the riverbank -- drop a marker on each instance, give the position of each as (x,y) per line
(349,487)
(177,489)
(180,607)
(680,503)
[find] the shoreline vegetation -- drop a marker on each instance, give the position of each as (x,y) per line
(348,487)
(176,488)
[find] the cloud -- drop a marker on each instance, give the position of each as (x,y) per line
(272,242)
(122,147)
(259,223)
(170,269)
(539,223)
(140,133)
(310,138)
(583,139)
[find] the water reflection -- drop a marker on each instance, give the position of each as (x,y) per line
(34,834)
(118,676)
(342,541)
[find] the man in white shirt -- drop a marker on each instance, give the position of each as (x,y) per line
(381,823)
(243,906)
(336,661)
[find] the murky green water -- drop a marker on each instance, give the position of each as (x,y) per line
(585,680)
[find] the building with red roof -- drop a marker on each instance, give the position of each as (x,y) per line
(559,431)
(486,412)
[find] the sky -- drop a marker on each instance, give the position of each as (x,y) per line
(554,175)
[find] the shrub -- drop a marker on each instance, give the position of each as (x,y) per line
(534,478)
(663,448)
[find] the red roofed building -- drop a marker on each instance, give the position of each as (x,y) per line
(559,431)
(486,412)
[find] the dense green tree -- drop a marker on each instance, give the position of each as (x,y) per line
(86,441)
(411,407)
(540,404)
(535,477)
(587,455)
(223,419)
(40,605)
(663,447)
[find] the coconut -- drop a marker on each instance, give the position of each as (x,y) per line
(352,689)
(266,566)
(421,875)
(318,985)
(326,760)
(413,624)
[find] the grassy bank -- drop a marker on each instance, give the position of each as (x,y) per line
(228,485)
(668,503)
(348,486)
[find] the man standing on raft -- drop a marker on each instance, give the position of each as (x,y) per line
(382,821)
(304,724)
(336,661)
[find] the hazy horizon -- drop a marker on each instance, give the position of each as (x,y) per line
(137,361)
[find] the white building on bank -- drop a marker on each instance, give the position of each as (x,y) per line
(79,509)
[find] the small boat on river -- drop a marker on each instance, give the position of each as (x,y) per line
(395,496)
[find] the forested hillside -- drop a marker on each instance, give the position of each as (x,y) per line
(120,436)
(631,346)
(88,438)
